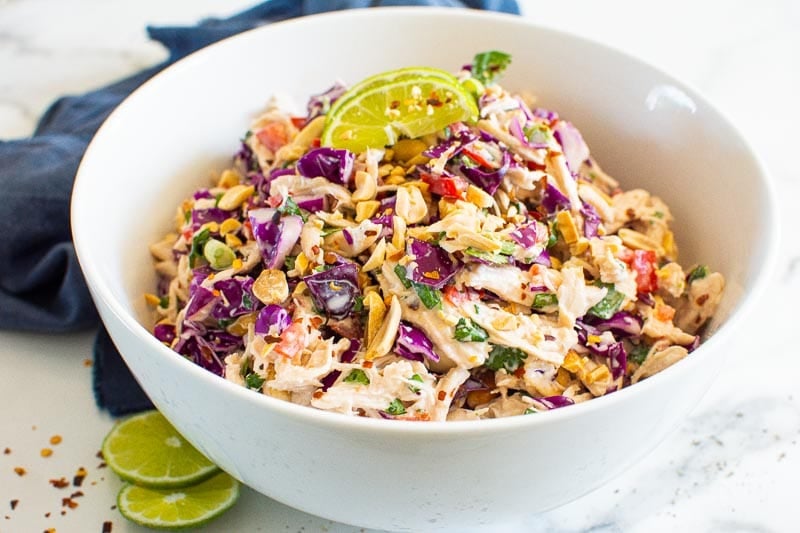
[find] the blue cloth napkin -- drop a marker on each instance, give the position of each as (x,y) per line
(41,286)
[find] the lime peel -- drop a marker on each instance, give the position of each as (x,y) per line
(178,508)
(147,450)
(409,102)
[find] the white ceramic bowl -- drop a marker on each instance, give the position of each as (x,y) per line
(647,129)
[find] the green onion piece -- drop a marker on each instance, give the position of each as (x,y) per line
(396,407)
(254,381)
(198,242)
(357,376)
(609,305)
(487,256)
(469,331)
(530,411)
(218,254)
(544,299)
(698,272)
(505,357)
(552,238)
(507,248)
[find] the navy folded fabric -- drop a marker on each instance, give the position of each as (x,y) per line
(41,285)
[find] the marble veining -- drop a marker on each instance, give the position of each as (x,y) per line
(733,465)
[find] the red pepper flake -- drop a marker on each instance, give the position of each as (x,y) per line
(46,452)
(102,465)
(68,502)
(317,394)
(76,494)
(63,513)
(107,526)
(7,451)
(59,483)
(367,364)
(442,395)
(14,504)
(113,507)
(47,514)
(20,471)
(88,363)
(55,440)
(99,454)
(80,475)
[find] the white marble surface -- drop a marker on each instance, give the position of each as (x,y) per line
(732,467)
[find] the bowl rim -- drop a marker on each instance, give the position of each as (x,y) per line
(307,414)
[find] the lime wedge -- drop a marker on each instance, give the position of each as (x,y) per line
(385,78)
(145,449)
(178,508)
(379,113)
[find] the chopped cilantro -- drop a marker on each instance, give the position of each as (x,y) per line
(187,216)
(487,66)
(439,236)
(639,353)
(545,299)
(530,411)
(658,214)
(247,302)
(429,296)
(254,381)
(163,302)
(198,243)
(400,270)
(396,407)
(609,305)
(289,262)
(552,238)
(359,303)
(357,376)
(698,272)
(289,207)
(469,331)
(225,322)
(505,357)
(414,388)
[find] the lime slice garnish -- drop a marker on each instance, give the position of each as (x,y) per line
(384,78)
(178,508)
(381,112)
(145,449)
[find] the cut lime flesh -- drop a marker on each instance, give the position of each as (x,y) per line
(178,508)
(147,450)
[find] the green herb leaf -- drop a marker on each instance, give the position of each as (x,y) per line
(639,353)
(469,331)
(487,66)
(505,357)
(330,230)
(359,303)
(289,207)
(544,299)
(609,305)
(552,238)
(400,270)
(530,411)
(396,407)
(198,243)
(254,381)
(698,272)
(357,376)
(289,262)
(431,298)
(413,388)
(163,302)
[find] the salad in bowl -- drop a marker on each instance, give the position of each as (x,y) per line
(426,246)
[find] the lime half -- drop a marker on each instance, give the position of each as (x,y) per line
(376,114)
(178,508)
(385,78)
(145,449)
